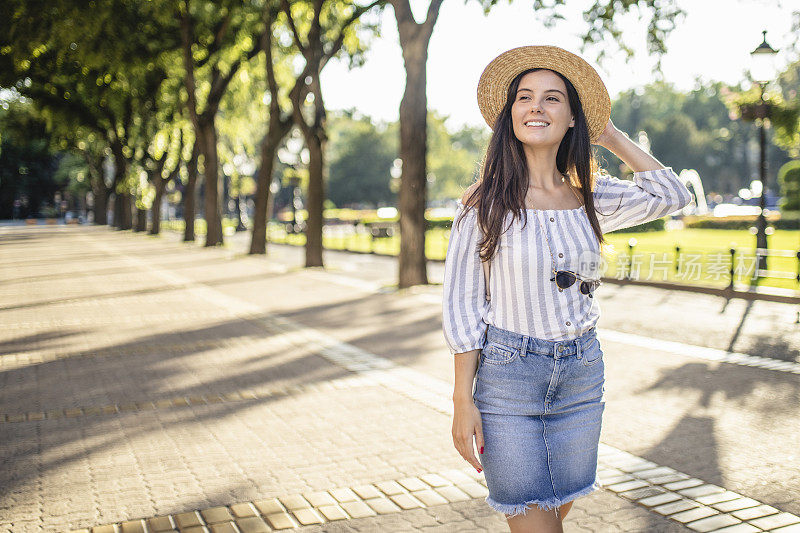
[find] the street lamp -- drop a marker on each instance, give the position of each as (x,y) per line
(762,70)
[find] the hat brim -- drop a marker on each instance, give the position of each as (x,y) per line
(498,75)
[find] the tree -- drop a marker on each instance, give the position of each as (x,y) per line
(318,45)
(216,39)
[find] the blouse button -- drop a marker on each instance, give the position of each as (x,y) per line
(560,255)
(552,219)
(560,290)
(568,323)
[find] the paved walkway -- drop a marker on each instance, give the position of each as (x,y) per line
(148,385)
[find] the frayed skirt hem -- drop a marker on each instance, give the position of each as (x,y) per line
(550,503)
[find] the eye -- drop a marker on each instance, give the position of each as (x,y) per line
(553,97)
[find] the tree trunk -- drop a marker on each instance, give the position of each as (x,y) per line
(413,150)
(116,221)
(141,220)
(213,209)
(155,210)
(258,242)
(126,214)
(316,194)
(100,205)
(190,195)
(414,40)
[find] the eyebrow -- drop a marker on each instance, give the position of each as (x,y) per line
(547,91)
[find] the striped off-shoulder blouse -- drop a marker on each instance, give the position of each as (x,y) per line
(524,299)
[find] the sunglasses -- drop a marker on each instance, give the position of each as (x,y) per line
(566,278)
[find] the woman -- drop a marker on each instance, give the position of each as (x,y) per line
(529,340)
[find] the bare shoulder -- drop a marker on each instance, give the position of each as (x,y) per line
(468,193)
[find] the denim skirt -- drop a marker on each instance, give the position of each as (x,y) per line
(541,405)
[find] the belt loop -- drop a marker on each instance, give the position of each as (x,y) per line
(523,350)
(578,348)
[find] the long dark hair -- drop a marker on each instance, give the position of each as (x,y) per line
(503,181)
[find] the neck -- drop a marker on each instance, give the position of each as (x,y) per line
(542,171)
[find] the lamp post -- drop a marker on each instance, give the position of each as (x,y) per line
(762,70)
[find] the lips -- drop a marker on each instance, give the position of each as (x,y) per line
(536,124)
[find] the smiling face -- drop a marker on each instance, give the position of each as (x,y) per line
(541,113)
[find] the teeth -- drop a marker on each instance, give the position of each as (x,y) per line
(536,123)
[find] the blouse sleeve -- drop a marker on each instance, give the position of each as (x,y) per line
(464,306)
(652,194)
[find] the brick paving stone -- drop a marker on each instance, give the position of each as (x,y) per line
(675,507)
(795,528)
(701,490)
(344,495)
(367,491)
(133,526)
(161,523)
(332,512)
(725,496)
(186,520)
(243,510)
(474,490)
(223,527)
(684,484)
(735,505)
(390,488)
(254,524)
(775,521)
(644,492)
(320,498)
(654,472)
(307,516)
(693,514)
(659,499)
(456,476)
(382,505)
(406,501)
(739,528)
(754,512)
(712,523)
(412,483)
(357,509)
(435,480)
(616,478)
(626,485)
(429,497)
(667,478)
(216,515)
(294,501)
(267,507)
(452,494)
(637,466)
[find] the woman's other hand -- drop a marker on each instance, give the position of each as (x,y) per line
(466,425)
(609,134)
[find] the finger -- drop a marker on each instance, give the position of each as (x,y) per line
(479,442)
(464,447)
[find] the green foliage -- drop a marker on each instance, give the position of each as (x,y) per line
(27,163)
(360,156)
(693,130)
(789,180)
(453,157)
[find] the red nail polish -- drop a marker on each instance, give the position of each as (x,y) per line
(481,449)
(480,470)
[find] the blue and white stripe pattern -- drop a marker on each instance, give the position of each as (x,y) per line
(524,299)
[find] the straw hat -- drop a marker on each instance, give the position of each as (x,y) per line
(497,76)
